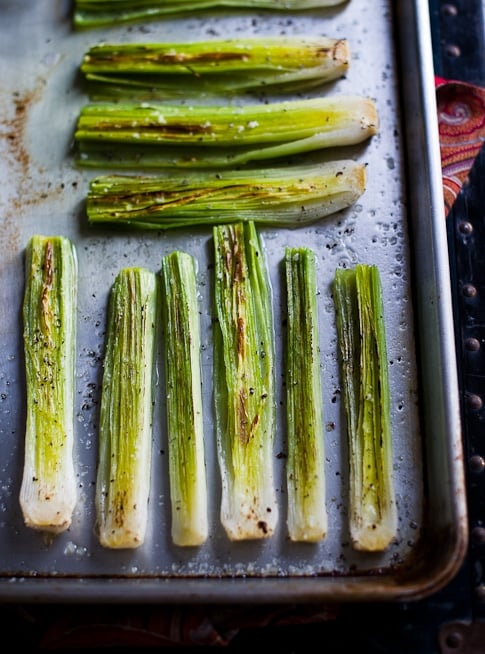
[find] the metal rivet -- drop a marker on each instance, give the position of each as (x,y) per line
(465,228)
(454,640)
(477,463)
(478,535)
(450,10)
(453,50)
(469,290)
(472,344)
(474,402)
(480,593)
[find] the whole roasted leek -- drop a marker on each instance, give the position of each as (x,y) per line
(244,385)
(366,394)
(305,465)
(123,135)
(291,196)
(157,71)
(125,429)
(98,13)
(48,491)
(188,485)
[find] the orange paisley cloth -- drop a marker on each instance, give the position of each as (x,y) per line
(461,124)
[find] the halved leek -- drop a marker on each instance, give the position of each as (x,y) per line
(305,466)
(125,429)
(121,135)
(365,385)
(291,196)
(48,491)
(98,13)
(244,385)
(188,485)
(157,71)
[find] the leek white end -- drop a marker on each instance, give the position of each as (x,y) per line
(188,485)
(48,492)
(366,394)
(125,429)
(244,383)
(305,465)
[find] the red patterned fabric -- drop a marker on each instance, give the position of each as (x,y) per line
(168,626)
(461,124)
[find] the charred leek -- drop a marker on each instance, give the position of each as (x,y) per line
(48,490)
(187,136)
(291,196)
(188,487)
(307,515)
(366,394)
(244,383)
(125,430)
(157,71)
(98,13)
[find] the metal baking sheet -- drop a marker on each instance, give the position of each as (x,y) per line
(398,224)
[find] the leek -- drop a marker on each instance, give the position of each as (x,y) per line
(188,486)
(48,491)
(244,386)
(291,196)
(307,516)
(366,394)
(157,71)
(125,430)
(187,136)
(98,13)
